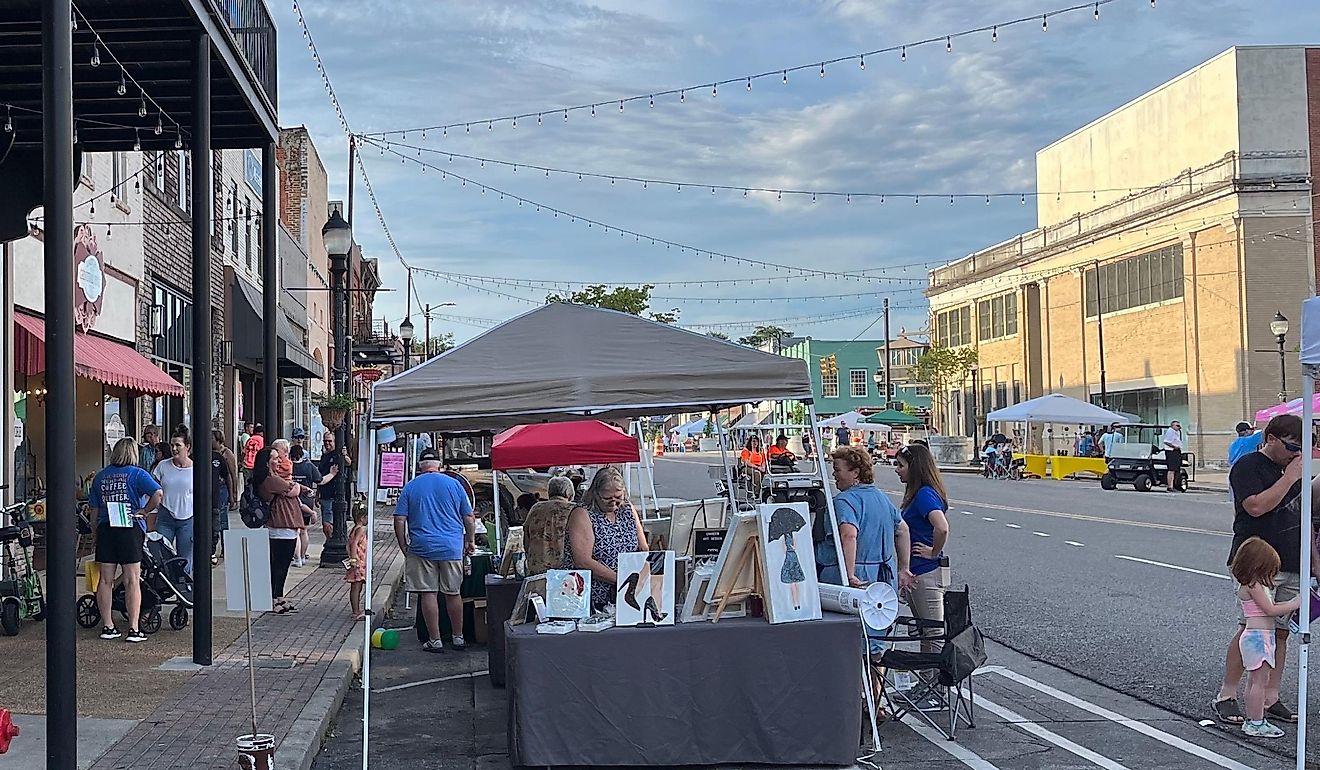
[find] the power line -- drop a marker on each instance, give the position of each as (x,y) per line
(780,73)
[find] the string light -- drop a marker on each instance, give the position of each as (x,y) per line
(122,88)
(1097,12)
(137,141)
(1045,23)
(159,129)
(782,72)
(994,34)
(142,107)
(96,53)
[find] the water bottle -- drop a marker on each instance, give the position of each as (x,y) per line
(945,573)
(467,564)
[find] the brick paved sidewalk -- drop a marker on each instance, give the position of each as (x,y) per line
(196,725)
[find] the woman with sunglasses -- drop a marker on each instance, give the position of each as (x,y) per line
(924,504)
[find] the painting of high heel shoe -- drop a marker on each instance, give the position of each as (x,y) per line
(646,589)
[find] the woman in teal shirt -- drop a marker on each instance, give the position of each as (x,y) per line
(875,541)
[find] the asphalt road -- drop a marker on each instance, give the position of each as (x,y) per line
(1126,589)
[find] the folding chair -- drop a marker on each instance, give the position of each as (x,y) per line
(941,676)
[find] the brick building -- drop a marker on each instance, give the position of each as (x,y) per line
(1177,226)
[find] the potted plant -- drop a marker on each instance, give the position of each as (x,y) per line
(334,408)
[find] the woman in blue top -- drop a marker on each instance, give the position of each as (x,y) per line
(131,494)
(871,531)
(924,504)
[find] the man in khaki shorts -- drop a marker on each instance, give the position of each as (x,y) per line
(435,529)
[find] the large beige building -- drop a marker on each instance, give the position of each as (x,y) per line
(1173,229)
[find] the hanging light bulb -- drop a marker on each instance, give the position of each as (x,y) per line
(1045,23)
(107,232)
(96,53)
(593,110)
(682,96)
(137,142)
(93,208)
(620,105)
(749,84)
(75,141)
(994,34)
(1024,199)
(903,55)
(1097,12)
(122,88)
(861,62)
(159,128)
(142,107)
(948,44)
(785,73)
(822,69)
(9,120)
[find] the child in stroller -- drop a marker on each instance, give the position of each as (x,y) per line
(164,582)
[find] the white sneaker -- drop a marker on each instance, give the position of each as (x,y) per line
(458,643)
(1261,729)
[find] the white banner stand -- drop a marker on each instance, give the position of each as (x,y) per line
(1310,360)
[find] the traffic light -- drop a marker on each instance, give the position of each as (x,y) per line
(824,366)
(834,365)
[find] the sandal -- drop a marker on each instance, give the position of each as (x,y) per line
(1228,711)
(1280,712)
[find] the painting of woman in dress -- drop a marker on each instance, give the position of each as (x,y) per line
(791,587)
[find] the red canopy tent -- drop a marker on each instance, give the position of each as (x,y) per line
(586,442)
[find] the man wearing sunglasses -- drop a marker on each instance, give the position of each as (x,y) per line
(1267,491)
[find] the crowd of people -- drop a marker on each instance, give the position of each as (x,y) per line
(147,487)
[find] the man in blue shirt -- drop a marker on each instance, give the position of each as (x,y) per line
(436,530)
(1248,441)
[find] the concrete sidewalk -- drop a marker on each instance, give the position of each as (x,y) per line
(305,663)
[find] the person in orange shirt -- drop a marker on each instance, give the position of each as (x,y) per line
(752,462)
(779,453)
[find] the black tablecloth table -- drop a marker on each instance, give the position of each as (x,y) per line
(501,595)
(737,691)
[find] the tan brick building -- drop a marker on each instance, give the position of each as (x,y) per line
(1176,227)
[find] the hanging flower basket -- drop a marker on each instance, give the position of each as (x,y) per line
(334,409)
(332,417)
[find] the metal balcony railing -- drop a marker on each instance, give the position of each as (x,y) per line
(250,23)
(374,332)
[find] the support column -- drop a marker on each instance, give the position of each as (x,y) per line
(335,549)
(61,488)
(270,292)
(203,348)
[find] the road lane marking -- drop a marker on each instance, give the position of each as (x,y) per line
(1013,526)
(955,750)
(1041,534)
(410,685)
(986,518)
(1026,725)
(1097,519)
(1172,566)
(968,513)
(1132,724)
(1074,542)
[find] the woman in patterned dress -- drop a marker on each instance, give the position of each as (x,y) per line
(600,529)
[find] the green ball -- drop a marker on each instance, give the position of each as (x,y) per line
(385,639)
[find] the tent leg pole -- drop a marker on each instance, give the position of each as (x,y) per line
(724,459)
(1304,612)
(494,538)
(366,598)
(650,471)
(825,479)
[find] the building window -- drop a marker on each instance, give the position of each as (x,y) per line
(247,230)
(158,166)
(997,316)
(185,179)
(117,173)
(233,219)
(1144,279)
(953,328)
(857,383)
(829,386)
(904,356)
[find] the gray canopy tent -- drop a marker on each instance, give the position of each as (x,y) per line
(564,362)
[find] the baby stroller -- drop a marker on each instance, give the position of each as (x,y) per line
(999,463)
(164,582)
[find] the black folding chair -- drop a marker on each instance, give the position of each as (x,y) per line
(943,677)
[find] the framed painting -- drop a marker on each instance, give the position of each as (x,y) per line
(568,593)
(741,527)
(646,589)
(788,562)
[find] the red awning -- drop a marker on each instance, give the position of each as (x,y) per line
(95,358)
(587,442)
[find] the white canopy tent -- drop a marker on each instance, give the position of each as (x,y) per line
(1056,408)
(852,420)
(564,362)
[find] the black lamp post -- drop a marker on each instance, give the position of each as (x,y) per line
(1279,328)
(338,235)
(406,333)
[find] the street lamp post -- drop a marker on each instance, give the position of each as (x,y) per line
(1279,328)
(338,235)
(406,333)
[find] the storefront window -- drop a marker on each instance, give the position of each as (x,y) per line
(292,411)
(1158,406)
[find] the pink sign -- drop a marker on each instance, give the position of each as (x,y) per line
(392,465)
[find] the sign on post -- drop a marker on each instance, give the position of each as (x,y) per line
(258,570)
(392,469)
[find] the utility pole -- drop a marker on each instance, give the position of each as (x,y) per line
(1100,331)
(886,365)
(428,331)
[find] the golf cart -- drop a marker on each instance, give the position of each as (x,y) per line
(1139,461)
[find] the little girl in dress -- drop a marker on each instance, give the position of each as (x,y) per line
(356,564)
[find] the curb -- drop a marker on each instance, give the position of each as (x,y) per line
(303,741)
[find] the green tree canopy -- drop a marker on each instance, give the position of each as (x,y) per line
(625,299)
(943,369)
(718,335)
(764,334)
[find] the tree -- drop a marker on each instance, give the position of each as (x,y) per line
(797,414)
(764,334)
(718,335)
(943,369)
(625,299)
(439,344)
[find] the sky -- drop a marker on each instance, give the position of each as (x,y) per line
(966,121)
